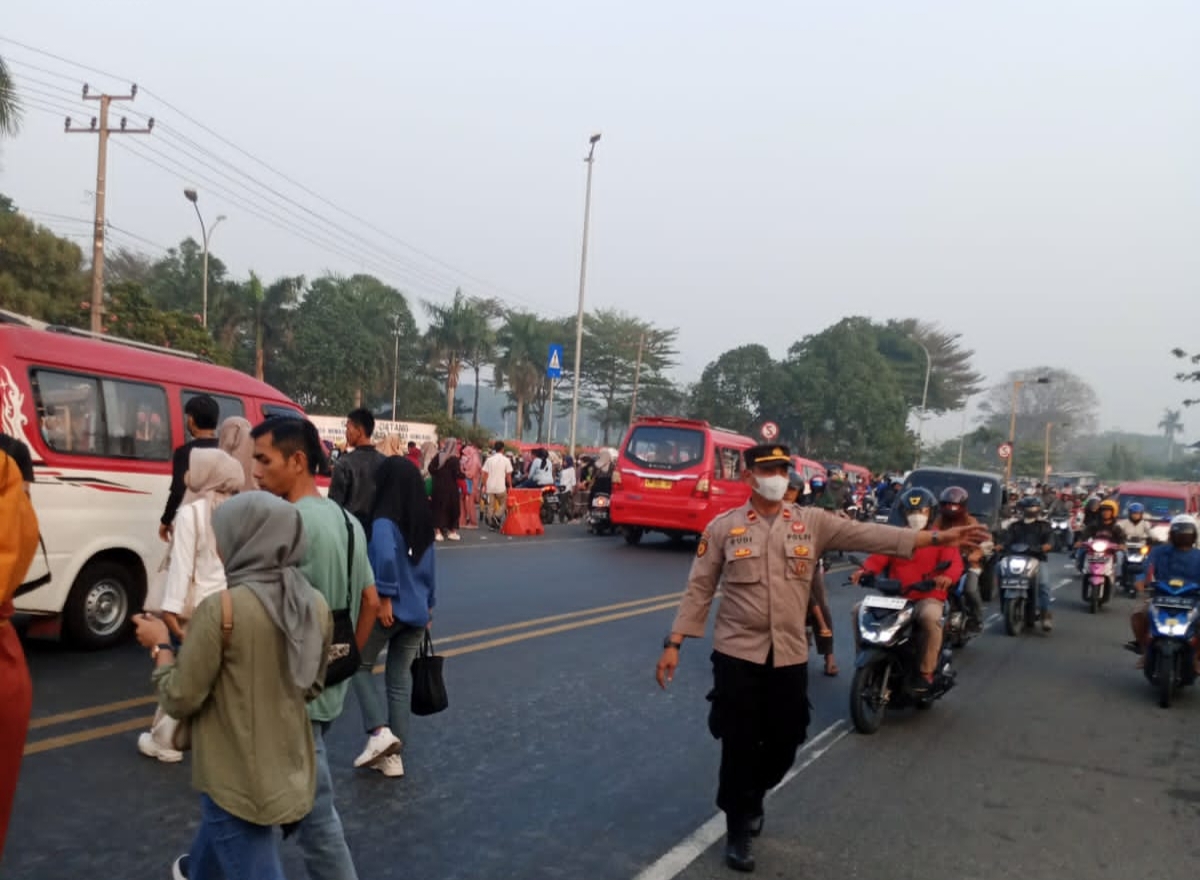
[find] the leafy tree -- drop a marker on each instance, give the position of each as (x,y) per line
(481,342)
(176,281)
(522,343)
(456,332)
(127,265)
(730,390)
(951,379)
(1064,399)
(41,275)
(1170,425)
(1192,375)
(131,314)
(849,401)
(10,106)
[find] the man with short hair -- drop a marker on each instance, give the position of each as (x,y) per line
(497,476)
(287,456)
(201,414)
(353,484)
(414,455)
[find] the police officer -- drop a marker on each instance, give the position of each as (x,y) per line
(764,553)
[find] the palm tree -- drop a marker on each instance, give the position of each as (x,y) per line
(519,361)
(481,342)
(1170,425)
(449,340)
(10,107)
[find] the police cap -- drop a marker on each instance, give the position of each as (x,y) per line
(768,454)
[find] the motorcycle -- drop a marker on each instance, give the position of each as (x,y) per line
(887,662)
(1136,553)
(550,504)
(1061,528)
(1099,567)
(954,627)
(599,517)
(1016,575)
(867,509)
(1170,658)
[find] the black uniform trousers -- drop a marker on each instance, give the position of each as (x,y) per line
(760,714)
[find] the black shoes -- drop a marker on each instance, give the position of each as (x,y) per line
(754,825)
(737,851)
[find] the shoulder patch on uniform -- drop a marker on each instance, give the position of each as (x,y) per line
(702,547)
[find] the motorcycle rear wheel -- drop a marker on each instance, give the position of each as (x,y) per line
(1165,679)
(867,706)
(1014,616)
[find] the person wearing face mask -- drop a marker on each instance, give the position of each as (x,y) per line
(764,555)
(1037,534)
(952,511)
(922,566)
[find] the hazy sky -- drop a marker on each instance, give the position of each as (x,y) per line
(1026,173)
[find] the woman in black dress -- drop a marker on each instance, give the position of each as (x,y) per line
(446,471)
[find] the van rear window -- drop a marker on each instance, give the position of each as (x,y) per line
(665,447)
(1157,506)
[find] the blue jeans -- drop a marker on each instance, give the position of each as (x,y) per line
(1043,588)
(320,835)
(403,642)
(229,848)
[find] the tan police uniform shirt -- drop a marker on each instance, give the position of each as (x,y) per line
(766,569)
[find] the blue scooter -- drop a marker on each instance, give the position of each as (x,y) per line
(1170,658)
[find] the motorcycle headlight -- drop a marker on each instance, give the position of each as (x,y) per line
(1171,626)
(882,633)
(1100,546)
(600,502)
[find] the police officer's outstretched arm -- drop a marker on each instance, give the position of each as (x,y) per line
(692,618)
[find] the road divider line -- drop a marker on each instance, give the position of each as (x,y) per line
(554,618)
(92,712)
(675,861)
(82,736)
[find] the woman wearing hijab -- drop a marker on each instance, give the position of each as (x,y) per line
(447,502)
(234,439)
(472,468)
(194,571)
(402,557)
(252,742)
(18,543)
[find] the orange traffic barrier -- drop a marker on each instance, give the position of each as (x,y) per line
(524,513)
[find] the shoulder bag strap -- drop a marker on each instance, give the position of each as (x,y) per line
(349,555)
(226,620)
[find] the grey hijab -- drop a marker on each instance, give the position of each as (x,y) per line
(261,541)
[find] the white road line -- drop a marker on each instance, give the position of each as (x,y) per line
(693,846)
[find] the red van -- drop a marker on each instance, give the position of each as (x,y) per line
(808,468)
(101,417)
(1162,499)
(675,475)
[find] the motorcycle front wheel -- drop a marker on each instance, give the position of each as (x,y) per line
(868,705)
(1165,679)
(1014,616)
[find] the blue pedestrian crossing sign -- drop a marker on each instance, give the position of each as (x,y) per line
(554,364)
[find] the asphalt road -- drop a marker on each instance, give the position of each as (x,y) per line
(559,756)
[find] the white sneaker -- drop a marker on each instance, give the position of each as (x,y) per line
(152,748)
(391,766)
(454,536)
(381,744)
(437,536)
(179,870)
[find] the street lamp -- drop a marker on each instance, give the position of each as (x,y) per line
(587,210)
(205,234)
(924,399)
(1012,424)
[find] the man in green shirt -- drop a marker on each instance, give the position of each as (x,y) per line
(287,455)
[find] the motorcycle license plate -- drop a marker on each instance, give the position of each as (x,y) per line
(1176,604)
(1013,585)
(657,484)
(894,603)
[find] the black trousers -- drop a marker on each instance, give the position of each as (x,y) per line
(760,714)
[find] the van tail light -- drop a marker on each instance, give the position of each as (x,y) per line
(704,485)
(616,478)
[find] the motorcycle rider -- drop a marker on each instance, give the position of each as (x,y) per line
(918,506)
(1091,517)
(1034,532)
(1135,525)
(1176,559)
(1104,526)
(820,495)
(952,511)
(889,493)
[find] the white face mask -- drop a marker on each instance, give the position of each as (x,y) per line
(918,521)
(771,488)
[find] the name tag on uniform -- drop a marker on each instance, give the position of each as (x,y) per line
(801,550)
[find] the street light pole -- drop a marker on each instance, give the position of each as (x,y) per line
(395,367)
(205,234)
(924,400)
(1012,425)
(587,210)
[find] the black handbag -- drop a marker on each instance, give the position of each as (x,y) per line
(344,658)
(429,687)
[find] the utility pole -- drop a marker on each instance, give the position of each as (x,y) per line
(101,178)
(637,378)
(587,213)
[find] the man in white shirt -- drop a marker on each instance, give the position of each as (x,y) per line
(497,474)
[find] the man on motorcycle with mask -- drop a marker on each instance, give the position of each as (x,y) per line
(1091,517)
(1035,533)
(1178,559)
(952,511)
(918,506)
(822,495)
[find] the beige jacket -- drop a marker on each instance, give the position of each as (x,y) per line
(766,571)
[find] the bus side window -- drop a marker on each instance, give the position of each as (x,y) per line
(88,415)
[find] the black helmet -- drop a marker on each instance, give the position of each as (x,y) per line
(1182,533)
(917,499)
(1031,506)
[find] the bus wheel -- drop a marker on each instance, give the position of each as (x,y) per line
(99,610)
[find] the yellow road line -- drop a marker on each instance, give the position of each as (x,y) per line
(82,736)
(525,624)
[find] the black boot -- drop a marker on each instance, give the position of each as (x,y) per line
(737,850)
(754,825)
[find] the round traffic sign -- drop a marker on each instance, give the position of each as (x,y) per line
(770,431)
(1005,450)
